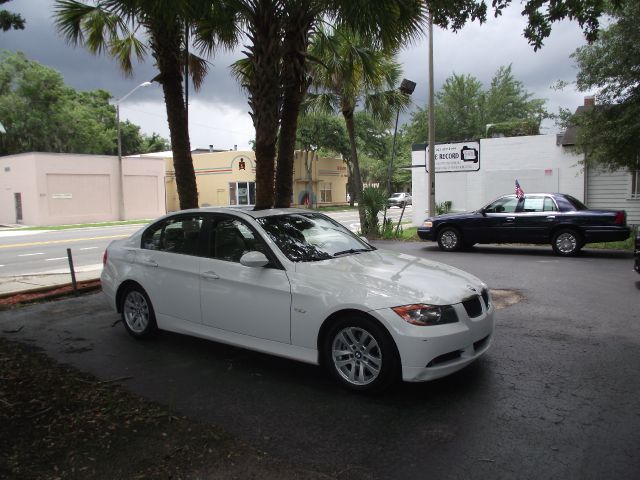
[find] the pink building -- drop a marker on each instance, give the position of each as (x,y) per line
(62,188)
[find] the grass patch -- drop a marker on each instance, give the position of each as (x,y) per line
(85,225)
(628,244)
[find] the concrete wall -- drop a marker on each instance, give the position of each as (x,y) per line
(18,175)
(535,161)
(62,189)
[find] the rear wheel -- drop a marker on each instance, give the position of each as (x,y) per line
(138,316)
(566,242)
(361,355)
(450,239)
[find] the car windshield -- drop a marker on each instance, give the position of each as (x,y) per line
(310,237)
(396,195)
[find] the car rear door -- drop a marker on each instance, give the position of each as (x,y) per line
(170,260)
(245,300)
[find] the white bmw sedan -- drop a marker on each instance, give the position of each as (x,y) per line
(297,284)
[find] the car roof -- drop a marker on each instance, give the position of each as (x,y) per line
(246,210)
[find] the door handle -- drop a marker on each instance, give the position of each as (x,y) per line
(551,217)
(210,275)
(510,219)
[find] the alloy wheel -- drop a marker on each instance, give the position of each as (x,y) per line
(566,243)
(356,356)
(136,312)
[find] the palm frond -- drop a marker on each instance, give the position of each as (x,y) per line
(198,69)
(124,49)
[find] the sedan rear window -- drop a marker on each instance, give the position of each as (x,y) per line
(311,237)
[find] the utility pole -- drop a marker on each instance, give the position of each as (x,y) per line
(432,128)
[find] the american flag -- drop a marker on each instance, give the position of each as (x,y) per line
(519,192)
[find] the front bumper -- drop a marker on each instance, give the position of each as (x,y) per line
(425,233)
(432,352)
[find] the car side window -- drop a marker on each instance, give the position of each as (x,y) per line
(179,235)
(533,204)
(232,238)
(549,205)
(503,205)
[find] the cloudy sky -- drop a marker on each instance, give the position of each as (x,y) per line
(218,113)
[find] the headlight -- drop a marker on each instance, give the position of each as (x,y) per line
(427,224)
(426,315)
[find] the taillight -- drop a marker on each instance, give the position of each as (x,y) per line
(620,218)
(105,257)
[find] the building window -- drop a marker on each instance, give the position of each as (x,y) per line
(325,192)
(635,184)
(242,193)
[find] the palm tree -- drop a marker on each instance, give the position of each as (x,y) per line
(388,22)
(352,72)
(128,29)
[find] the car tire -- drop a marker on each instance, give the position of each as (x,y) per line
(361,355)
(566,242)
(137,313)
(450,239)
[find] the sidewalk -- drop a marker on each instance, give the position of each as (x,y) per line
(50,279)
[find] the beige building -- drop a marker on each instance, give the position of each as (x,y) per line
(59,188)
(228,178)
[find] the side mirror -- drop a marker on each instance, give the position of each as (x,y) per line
(254,259)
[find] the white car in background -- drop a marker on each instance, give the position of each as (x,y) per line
(399,200)
(299,285)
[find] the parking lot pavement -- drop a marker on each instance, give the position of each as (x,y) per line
(555,397)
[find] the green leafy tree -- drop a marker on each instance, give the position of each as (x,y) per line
(134,29)
(609,134)
(320,134)
(41,113)
(10,20)
(464,110)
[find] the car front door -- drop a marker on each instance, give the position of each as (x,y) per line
(495,223)
(534,222)
(170,260)
(236,298)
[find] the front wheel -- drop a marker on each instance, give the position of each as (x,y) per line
(566,242)
(449,239)
(361,355)
(137,313)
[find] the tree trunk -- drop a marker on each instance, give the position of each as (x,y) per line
(295,85)
(265,94)
(166,46)
(347,113)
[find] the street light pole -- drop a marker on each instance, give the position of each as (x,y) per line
(120,169)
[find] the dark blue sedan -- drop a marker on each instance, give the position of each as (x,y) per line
(540,218)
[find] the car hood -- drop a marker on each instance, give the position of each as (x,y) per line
(382,279)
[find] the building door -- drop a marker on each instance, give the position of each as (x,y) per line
(18,201)
(242,193)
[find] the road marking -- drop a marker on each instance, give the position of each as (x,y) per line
(70,240)
(88,248)
(29,254)
(52,259)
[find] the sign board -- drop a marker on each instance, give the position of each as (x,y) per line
(457,157)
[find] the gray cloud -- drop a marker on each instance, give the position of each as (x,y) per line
(219,113)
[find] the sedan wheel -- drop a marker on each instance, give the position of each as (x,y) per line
(137,313)
(449,239)
(566,243)
(361,355)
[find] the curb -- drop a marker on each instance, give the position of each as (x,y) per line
(43,294)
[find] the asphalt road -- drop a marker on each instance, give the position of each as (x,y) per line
(557,396)
(28,252)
